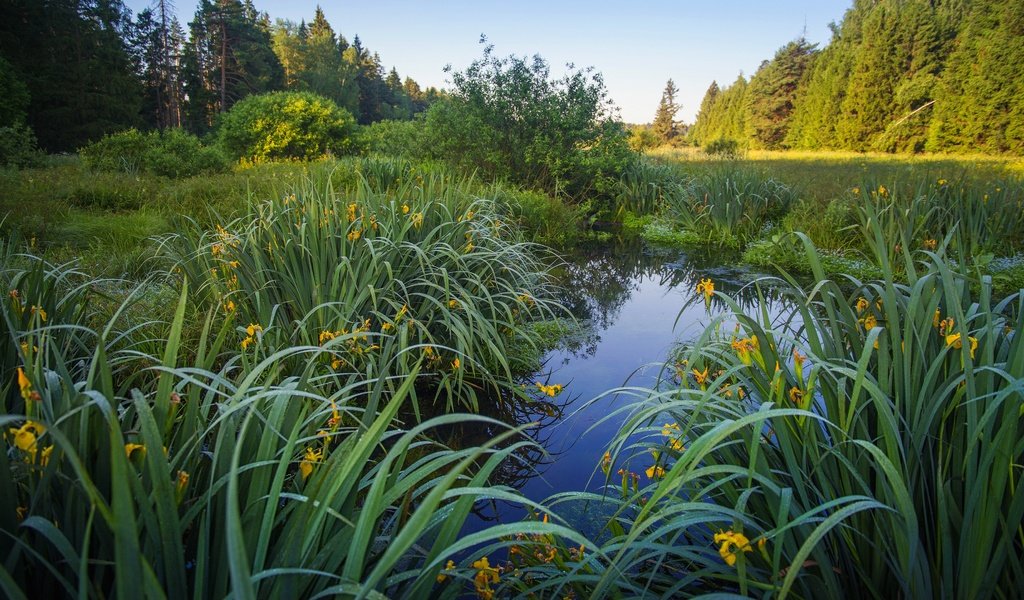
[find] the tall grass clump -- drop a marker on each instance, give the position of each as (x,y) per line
(646,186)
(420,263)
(864,443)
(967,221)
(193,479)
(265,448)
(729,205)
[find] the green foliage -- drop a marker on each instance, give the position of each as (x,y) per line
(646,185)
(896,76)
(828,439)
(723,148)
(980,99)
(642,138)
(286,125)
(729,205)
(170,153)
(773,92)
(548,220)
(507,118)
(14,97)
(290,468)
(724,114)
(664,125)
(74,60)
(395,138)
(18,147)
(229,55)
(416,261)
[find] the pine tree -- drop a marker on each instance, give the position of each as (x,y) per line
(980,101)
(155,44)
(324,72)
(229,56)
(665,125)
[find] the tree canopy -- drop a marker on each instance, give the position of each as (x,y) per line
(897,75)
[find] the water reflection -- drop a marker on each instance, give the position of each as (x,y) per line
(638,303)
(598,277)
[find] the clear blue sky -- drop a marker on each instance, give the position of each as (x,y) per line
(637,45)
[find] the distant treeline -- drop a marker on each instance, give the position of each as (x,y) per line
(75,70)
(897,76)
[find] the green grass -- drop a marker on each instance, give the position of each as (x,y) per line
(173,458)
(857,448)
(260,412)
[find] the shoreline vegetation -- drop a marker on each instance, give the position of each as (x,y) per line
(242,337)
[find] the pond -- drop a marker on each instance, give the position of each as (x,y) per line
(636,303)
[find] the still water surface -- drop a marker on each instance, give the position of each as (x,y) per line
(638,303)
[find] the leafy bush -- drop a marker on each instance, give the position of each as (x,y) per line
(175,153)
(643,138)
(506,118)
(286,125)
(122,151)
(549,220)
(723,148)
(172,153)
(395,138)
(18,147)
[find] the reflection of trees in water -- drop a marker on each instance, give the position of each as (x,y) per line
(598,278)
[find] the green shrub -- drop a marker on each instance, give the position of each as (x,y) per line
(122,151)
(395,138)
(507,118)
(175,153)
(286,125)
(18,147)
(723,148)
(643,138)
(171,153)
(549,220)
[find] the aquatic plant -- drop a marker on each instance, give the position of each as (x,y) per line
(347,270)
(728,205)
(867,443)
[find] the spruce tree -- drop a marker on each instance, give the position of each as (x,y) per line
(773,93)
(698,132)
(73,58)
(665,125)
